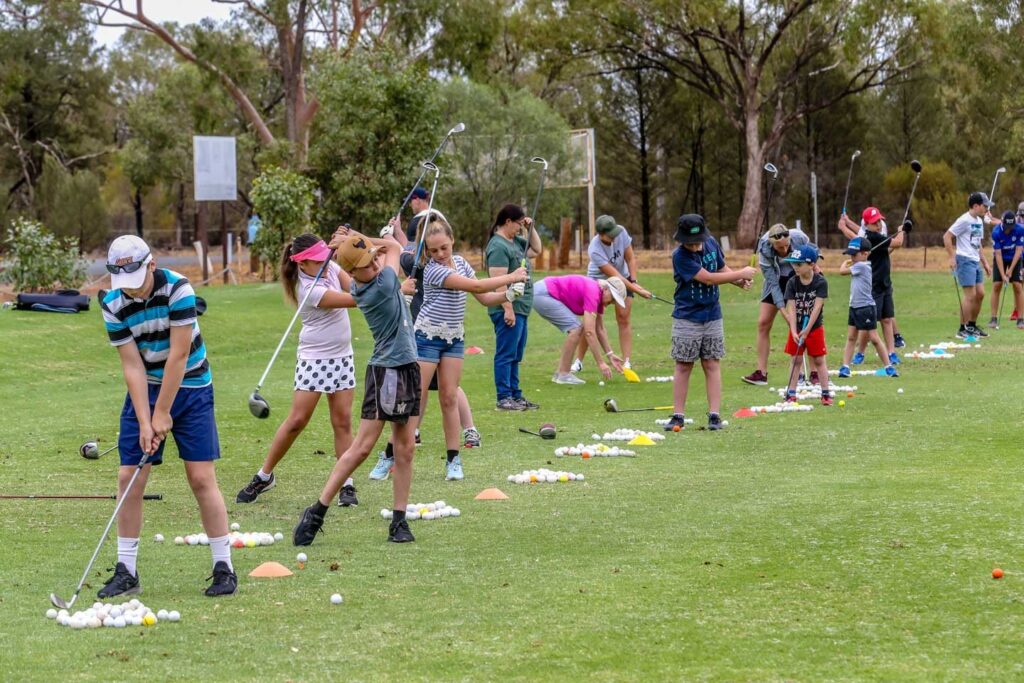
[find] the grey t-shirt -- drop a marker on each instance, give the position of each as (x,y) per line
(387,314)
(613,254)
(860,285)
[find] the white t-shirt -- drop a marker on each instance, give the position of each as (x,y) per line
(326,332)
(969,232)
(603,254)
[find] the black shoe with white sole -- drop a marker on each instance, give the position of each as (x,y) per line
(122,583)
(254,488)
(399,532)
(347,497)
(225,582)
(310,524)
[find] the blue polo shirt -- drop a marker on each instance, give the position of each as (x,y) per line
(696,301)
(1007,242)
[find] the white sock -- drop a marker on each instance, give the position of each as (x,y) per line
(263,475)
(221,549)
(128,553)
(349,482)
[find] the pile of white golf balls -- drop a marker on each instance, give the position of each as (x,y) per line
(855,373)
(595,450)
(436,510)
(809,391)
(783,407)
(624,434)
(131,613)
(937,354)
(664,421)
(951,345)
(249,539)
(659,379)
(543,476)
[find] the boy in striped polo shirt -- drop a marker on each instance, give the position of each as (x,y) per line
(150,316)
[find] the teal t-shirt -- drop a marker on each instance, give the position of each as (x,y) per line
(503,253)
(387,314)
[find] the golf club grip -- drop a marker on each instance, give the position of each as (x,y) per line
(298,309)
(527,431)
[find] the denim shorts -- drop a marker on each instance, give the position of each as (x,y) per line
(433,349)
(968,272)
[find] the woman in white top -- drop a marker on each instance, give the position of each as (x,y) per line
(324,364)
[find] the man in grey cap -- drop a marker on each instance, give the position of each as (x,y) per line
(772,248)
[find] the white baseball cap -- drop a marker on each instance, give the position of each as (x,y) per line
(122,256)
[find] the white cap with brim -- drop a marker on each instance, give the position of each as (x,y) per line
(617,288)
(124,250)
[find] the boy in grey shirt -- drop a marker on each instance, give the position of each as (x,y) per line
(863,318)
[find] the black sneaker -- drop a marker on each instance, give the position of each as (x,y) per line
(347,496)
(310,524)
(714,421)
(399,532)
(254,488)
(962,333)
(898,341)
(677,420)
(120,584)
(978,332)
(418,442)
(509,404)
(224,581)
(526,403)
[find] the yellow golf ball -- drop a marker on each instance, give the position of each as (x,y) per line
(148,620)
(842,403)
(251,543)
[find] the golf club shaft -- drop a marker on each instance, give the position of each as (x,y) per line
(849,177)
(959,301)
(992,194)
(423,228)
(540,191)
(107,451)
(664,301)
(644,410)
(423,172)
(527,431)
(148,496)
(298,310)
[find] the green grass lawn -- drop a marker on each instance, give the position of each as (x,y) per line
(844,544)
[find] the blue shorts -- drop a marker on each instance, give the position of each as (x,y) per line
(968,272)
(433,349)
(194,429)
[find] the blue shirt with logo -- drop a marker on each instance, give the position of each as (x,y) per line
(696,301)
(1007,242)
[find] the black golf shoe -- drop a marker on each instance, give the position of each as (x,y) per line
(310,524)
(347,496)
(254,488)
(224,581)
(122,583)
(399,532)
(677,420)
(714,421)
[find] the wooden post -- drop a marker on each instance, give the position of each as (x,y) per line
(564,242)
(202,238)
(224,246)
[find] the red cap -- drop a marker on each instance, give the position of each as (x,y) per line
(872,215)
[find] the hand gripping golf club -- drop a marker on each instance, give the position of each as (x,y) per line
(59,602)
(258,405)
(612,407)
(906,225)
(770,168)
(849,177)
(427,166)
(992,194)
(458,128)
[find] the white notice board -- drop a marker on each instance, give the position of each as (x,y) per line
(213,165)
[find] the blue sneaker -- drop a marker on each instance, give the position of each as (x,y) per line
(844,371)
(891,371)
(894,359)
(858,358)
(383,468)
(453,470)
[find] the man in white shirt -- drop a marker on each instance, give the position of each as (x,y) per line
(963,245)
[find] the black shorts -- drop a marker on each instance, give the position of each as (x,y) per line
(884,307)
(1017,275)
(392,394)
(783,279)
(863,318)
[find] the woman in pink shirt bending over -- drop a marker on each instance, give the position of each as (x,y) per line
(562,301)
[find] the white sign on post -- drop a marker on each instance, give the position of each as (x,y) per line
(213,165)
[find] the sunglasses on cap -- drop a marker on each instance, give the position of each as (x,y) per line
(127,267)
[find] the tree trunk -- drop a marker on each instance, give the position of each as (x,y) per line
(137,205)
(645,171)
(749,224)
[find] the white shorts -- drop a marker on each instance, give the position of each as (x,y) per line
(325,375)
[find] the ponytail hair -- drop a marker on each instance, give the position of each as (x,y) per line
(434,225)
(289,268)
(509,212)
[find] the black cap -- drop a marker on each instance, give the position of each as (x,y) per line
(1009,219)
(979,198)
(691,229)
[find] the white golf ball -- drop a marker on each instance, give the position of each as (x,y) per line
(162,614)
(579,477)
(412,515)
(174,615)
(51,613)
(725,423)
(119,622)
(601,383)
(204,539)
(385,513)
(900,390)
(301,557)
(179,540)
(109,622)
(159,538)
(278,536)
(456,512)
(336,599)
(235,526)
(428,515)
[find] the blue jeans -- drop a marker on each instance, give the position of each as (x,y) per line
(510,343)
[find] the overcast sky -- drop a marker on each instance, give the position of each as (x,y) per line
(181,11)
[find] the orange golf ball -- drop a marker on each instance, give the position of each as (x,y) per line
(849,394)
(677,428)
(997,573)
(586,454)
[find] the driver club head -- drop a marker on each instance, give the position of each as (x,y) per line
(611,406)
(916,165)
(89,450)
(258,406)
(540,160)
(547,431)
(770,167)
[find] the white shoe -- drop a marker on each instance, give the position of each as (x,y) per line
(576,366)
(567,378)
(626,365)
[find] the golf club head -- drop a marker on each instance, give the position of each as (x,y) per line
(59,603)
(540,160)
(916,165)
(1001,169)
(770,167)
(547,431)
(430,166)
(611,406)
(457,128)
(856,154)
(90,450)
(258,406)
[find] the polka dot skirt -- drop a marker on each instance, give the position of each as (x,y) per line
(325,376)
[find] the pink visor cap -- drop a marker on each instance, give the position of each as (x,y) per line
(318,252)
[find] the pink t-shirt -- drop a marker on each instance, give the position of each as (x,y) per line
(579,294)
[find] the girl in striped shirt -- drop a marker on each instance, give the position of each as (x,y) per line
(440,325)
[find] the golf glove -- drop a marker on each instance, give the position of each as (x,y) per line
(387,231)
(515,291)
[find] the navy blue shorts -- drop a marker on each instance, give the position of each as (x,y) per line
(194,429)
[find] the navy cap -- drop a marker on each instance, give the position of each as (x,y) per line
(805,254)
(857,245)
(691,229)
(420,193)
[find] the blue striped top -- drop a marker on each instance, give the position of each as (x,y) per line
(148,323)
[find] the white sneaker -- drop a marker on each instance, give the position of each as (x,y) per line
(576,366)
(626,365)
(567,378)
